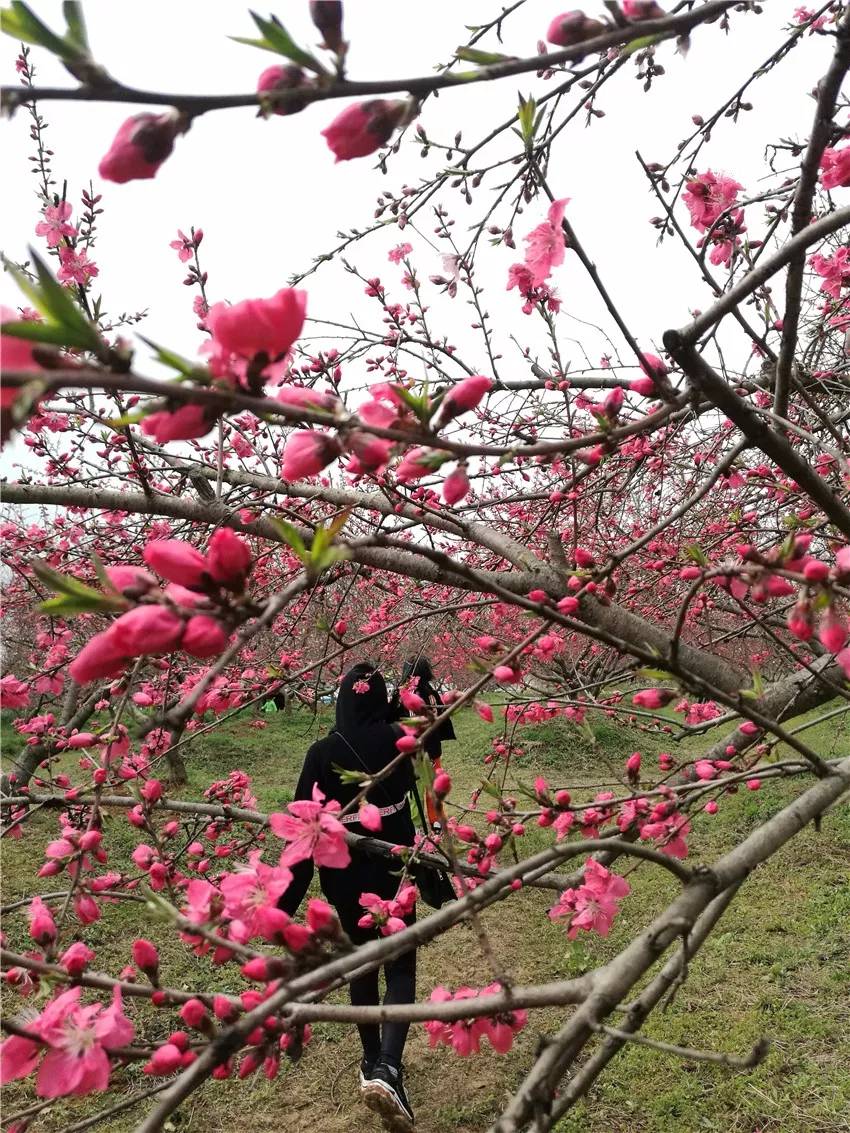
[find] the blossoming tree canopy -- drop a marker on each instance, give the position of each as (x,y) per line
(618,520)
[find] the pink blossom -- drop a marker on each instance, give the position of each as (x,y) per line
(312,831)
(141,145)
(54,227)
(251,897)
(177,561)
(183,245)
(13,693)
(593,905)
(834,269)
(187,423)
(397,254)
(75,265)
(77,1039)
(307,452)
(363,127)
(546,244)
(707,196)
(259,326)
(835,168)
(372,454)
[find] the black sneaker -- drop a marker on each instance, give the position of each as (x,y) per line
(366,1068)
(384,1093)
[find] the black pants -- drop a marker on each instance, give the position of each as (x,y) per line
(400,975)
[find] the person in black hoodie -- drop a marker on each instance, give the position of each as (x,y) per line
(418,674)
(364,740)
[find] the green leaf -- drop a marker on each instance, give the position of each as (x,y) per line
(696,555)
(73,12)
(64,606)
(639,44)
(350,777)
(482,58)
(654,674)
(290,536)
(174,361)
(19,22)
(47,333)
(73,592)
(526,115)
(55,303)
(277,39)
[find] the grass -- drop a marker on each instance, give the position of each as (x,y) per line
(776,965)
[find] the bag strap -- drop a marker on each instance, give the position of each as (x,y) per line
(399,731)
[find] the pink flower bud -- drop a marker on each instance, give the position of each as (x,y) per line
(141,145)
(442,785)
(283,77)
(568,605)
(152,790)
(572,28)
(177,561)
(194,1014)
(633,763)
(307,452)
(146,959)
(484,710)
(748,728)
(76,958)
(653,697)
(187,423)
(90,840)
(101,656)
(538,596)
(363,127)
(369,816)
(341,627)
(832,631)
(463,397)
(259,326)
(228,558)
(166,1059)
(82,739)
(42,926)
(296,936)
(710,807)
(456,486)
(147,629)
(320,915)
(256,969)
(644,386)
(203,637)
(753,784)
(506,675)
(407,743)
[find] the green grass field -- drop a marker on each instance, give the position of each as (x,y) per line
(777,965)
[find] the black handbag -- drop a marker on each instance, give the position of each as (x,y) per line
(434,887)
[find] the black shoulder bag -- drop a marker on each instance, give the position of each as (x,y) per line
(434,886)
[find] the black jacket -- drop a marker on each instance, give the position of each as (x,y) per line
(362,741)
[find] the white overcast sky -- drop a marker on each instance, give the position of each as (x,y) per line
(269,196)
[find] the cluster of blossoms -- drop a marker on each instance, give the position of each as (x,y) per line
(593,906)
(184,615)
(708,197)
(465,1035)
(546,248)
(388,916)
(308,451)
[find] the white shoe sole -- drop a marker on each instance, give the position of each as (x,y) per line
(381,1099)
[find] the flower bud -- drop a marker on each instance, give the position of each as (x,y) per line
(139,148)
